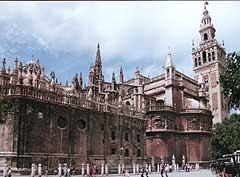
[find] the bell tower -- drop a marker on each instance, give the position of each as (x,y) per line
(209,61)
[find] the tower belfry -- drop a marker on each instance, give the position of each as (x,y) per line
(209,61)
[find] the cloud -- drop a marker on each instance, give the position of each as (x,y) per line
(64,35)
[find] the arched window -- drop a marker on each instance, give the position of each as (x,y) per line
(209,56)
(128,105)
(213,55)
(167,73)
(195,62)
(205,36)
(204,55)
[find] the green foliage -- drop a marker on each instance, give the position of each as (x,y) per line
(226,136)
(230,80)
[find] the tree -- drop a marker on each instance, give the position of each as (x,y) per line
(226,136)
(230,80)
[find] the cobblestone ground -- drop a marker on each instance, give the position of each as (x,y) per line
(200,173)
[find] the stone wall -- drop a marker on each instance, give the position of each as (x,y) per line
(42,132)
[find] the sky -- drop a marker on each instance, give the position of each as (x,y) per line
(64,35)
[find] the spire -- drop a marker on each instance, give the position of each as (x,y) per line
(75,83)
(121,79)
(15,69)
(30,75)
(169,60)
(113,77)
(80,80)
(98,56)
(3,71)
(20,78)
(42,73)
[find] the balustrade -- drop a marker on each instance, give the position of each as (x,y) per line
(77,101)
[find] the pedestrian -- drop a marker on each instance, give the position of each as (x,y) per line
(126,173)
(146,171)
(9,172)
(166,170)
(68,172)
(161,170)
(46,172)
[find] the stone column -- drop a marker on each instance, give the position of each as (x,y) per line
(134,170)
(137,168)
(119,169)
(83,172)
(106,169)
(183,161)
(88,169)
(177,167)
(197,166)
(39,170)
(149,168)
(174,162)
(158,167)
(122,168)
(59,170)
(102,169)
(33,170)
(5,170)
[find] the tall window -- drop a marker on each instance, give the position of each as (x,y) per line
(204,55)
(213,55)
(113,135)
(209,56)
(205,36)
(113,151)
(199,61)
(195,62)
(138,152)
(138,138)
(126,136)
(126,152)
(168,73)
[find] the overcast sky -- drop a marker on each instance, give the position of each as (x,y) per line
(64,35)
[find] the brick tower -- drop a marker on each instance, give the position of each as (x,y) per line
(209,60)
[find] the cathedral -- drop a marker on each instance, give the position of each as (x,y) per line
(138,121)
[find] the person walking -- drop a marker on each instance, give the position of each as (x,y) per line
(9,172)
(166,170)
(161,170)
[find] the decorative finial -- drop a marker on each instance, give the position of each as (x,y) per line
(205,4)
(223,42)
(98,46)
(192,42)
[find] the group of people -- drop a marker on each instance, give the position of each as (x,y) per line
(164,169)
(187,167)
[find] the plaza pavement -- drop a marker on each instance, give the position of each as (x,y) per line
(199,173)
